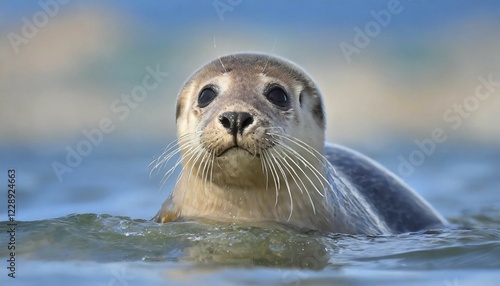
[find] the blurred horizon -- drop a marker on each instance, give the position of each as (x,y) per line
(427,58)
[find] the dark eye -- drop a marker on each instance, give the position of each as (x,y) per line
(278,96)
(206,96)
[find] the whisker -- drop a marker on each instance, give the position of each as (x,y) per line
(167,175)
(158,162)
(208,157)
(276,177)
(311,151)
(179,162)
(203,160)
(212,170)
(269,56)
(196,154)
(283,173)
(302,145)
(319,176)
(189,153)
(170,151)
(215,47)
(264,169)
(199,153)
(294,175)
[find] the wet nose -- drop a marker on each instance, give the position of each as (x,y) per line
(235,122)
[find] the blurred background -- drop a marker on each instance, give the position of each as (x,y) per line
(391,72)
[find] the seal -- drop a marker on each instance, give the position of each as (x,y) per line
(251,138)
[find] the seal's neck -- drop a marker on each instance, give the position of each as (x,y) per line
(294,199)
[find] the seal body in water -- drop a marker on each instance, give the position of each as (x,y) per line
(251,134)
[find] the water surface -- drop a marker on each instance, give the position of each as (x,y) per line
(93,229)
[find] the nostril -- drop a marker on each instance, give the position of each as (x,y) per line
(246,122)
(235,122)
(225,122)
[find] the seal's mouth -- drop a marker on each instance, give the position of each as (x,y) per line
(236,149)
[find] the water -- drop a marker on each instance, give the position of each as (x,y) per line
(93,229)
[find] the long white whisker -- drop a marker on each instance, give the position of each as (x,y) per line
(302,145)
(206,167)
(276,178)
(196,155)
(202,162)
(212,170)
(308,164)
(273,167)
(179,162)
(319,176)
(265,170)
(283,173)
(294,175)
(269,57)
(215,47)
(204,174)
(199,153)
(170,151)
(169,173)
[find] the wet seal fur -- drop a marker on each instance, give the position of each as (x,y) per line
(251,134)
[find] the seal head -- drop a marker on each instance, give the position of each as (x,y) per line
(251,133)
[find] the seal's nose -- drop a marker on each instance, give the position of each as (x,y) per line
(235,122)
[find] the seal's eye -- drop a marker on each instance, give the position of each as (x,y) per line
(278,96)
(206,96)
